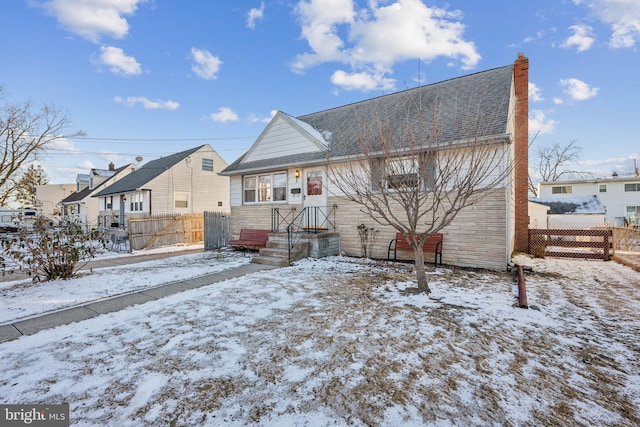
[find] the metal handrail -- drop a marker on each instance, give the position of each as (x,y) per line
(278,219)
(301,223)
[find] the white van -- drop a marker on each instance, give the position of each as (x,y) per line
(12,219)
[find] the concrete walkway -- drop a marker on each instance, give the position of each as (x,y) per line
(49,320)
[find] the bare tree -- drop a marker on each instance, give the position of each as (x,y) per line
(407,176)
(554,162)
(25,132)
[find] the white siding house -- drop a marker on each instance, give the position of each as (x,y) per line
(620,196)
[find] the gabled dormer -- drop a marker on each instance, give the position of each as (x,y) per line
(286,136)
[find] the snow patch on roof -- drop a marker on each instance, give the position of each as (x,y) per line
(572,204)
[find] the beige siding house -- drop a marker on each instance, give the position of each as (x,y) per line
(49,196)
(182,183)
(291,166)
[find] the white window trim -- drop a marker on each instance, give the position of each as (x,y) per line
(563,189)
(403,170)
(272,188)
(176,200)
(636,184)
(206,168)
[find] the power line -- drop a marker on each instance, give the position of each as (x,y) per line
(85,138)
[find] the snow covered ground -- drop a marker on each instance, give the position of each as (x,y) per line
(22,298)
(337,341)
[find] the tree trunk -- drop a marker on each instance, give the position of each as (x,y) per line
(421,275)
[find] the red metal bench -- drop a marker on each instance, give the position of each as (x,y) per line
(432,244)
(251,238)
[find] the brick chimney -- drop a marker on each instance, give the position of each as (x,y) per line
(112,167)
(521,172)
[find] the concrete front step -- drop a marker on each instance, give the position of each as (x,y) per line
(270,260)
(277,253)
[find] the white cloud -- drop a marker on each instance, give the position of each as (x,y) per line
(539,34)
(624,166)
(206,65)
(257,119)
(63,144)
(363,81)
(577,89)
(373,39)
(582,38)
(254,15)
(623,17)
(110,156)
(148,104)
(118,62)
(535,94)
(93,19)
(85,166)
(540,124)
(224,114)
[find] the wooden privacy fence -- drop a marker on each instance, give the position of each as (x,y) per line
(216,230)
(153,231)
(595,244)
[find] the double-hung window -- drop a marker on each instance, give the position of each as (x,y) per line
(564,189)
(181,200)
(403,174)
(632,187)
(135,202)
(265,188)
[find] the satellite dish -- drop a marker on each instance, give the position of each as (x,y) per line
(138,159)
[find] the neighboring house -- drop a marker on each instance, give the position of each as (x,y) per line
(81,206)
(572,212)
(182,183)
(48,198)
(82,181)
(620,196)
(287,167)
(538,215)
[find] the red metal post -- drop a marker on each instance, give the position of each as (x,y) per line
(522,290)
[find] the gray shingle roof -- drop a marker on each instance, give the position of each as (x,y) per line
(78,196)
(471,106)
(138,178)
(572,204)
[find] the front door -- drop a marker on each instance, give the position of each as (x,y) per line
(315,199)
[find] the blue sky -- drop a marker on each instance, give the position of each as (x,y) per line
(152,77)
